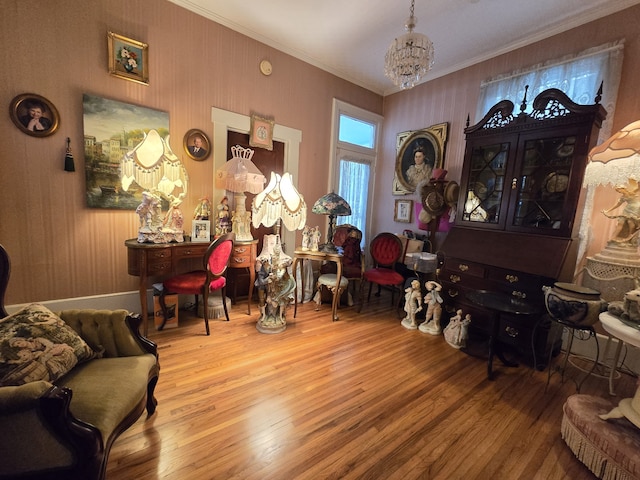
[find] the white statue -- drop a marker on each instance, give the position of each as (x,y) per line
(174,220)
(457,331)
(306,238)
(433,300)
(315,239)
(412,305)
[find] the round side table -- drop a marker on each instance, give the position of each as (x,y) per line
(624,333)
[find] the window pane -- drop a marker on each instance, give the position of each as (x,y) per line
(354,188)
(356,131)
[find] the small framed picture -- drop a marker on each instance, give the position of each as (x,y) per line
(402,212)
(196,144)
(34,115)
(261,134)
(128,59)
(201,231)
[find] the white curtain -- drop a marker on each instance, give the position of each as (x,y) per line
(354,188)
(579,76)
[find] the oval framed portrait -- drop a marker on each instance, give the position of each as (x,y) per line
(196,145)
(34,115)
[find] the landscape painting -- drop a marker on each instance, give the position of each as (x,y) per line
(112,129)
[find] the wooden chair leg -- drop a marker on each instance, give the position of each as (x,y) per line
(223,292)
(205,307)
(163,307)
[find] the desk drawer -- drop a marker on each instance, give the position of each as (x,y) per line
(464,267)
(191,251)
(158,261)
(241,257)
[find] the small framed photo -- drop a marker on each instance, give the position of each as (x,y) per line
(128,59)
(201,231)
(196,144)
(34,115)
(402,212)
(261,133)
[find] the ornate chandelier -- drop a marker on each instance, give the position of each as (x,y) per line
(409,56)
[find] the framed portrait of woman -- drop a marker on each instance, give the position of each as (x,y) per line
(34,115)
(418,154)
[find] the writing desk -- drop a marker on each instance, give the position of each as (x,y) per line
(302,255)
(163,260)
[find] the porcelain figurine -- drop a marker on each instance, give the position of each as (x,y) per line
(203,210)
(412,305)
(306,238)
(457,331)
(315,239)
(224,223)
(433,300)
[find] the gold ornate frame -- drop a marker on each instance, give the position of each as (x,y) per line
(19,113)
(261,133)
(132,66)
(188,140)
(403,211)
(433,138)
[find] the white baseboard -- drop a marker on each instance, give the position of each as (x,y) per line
(127,300)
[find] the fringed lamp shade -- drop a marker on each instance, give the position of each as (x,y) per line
(623,149)
(240,174)
(279,201)
(154,167)
(333,205)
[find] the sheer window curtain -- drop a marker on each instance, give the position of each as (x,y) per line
(354,188)
(579,76)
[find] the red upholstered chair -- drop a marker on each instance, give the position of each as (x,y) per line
(348,238)
(201,282)
(386,250)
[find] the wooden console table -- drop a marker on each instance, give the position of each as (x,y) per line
(163,260)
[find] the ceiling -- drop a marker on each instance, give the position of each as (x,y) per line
(349,38)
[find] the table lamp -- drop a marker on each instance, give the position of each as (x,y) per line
(333,205)
(614,271)
(279,203)
(240,175)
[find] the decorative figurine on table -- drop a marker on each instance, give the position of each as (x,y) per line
(173,222)
(306,238)
(457,331)
(412,305)
(315,239)
(203,210)
(149,211)
(241,224)
(223,225)
(433,300)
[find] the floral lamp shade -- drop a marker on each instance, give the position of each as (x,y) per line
(331,204)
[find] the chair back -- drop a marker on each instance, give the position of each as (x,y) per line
(349,237)
(5,271)
(216,260)
(386,250)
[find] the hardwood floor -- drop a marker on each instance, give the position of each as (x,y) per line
(360,398)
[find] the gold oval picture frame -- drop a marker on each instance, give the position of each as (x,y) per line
(431,142)
(196,145)
(34,115)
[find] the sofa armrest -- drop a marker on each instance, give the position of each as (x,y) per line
(116,333)
(40,434)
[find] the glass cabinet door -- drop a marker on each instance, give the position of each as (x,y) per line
(486,184)
(540,184)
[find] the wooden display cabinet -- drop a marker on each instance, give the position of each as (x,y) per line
(516,223)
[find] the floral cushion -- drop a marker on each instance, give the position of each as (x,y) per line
(35,344)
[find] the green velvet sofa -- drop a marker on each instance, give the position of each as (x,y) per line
(64,429)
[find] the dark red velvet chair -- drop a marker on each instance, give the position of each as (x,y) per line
(348,238)
(202,282)
(386,250)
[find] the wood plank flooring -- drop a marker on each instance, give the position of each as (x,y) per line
(360,398)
